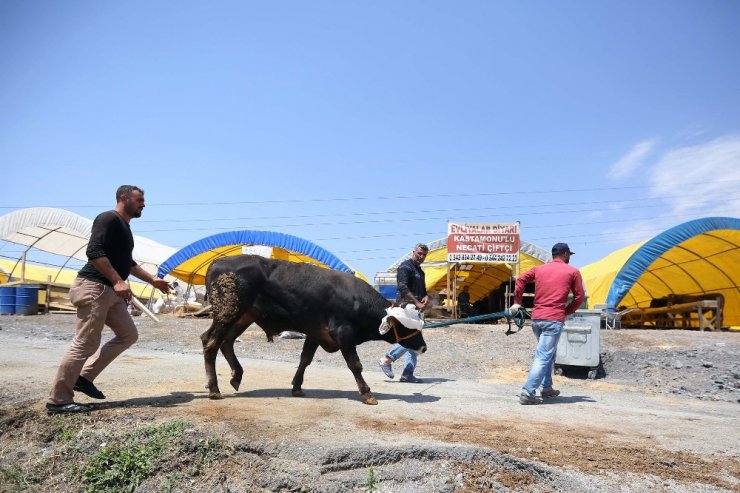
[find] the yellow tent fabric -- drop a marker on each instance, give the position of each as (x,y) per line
(193,270)
(697,258)
(39,274)
(480,278)
(599,276)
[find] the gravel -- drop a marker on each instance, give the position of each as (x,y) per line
(684,365)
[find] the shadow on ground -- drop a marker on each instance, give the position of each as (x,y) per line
(334,394)
(171,400)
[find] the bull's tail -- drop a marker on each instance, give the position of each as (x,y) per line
(223,294)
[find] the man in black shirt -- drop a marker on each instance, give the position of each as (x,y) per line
(412,289)
(100,294)
(463,303)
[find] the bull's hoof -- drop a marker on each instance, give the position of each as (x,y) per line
(236,383)
(369,399)
(215,395)
(298,393)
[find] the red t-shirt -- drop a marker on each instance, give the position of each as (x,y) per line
(552,284)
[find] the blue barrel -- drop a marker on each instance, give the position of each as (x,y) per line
(27,299)
(7,300)
(389,292)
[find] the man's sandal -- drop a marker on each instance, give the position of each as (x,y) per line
(72,407)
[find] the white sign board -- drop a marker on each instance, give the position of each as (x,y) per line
(483,242)
(261,250)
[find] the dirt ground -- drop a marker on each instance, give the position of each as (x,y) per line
(662,415)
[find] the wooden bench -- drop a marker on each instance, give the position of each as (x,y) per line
(705,313)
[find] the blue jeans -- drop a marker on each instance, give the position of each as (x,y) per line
(547,333)
(409,363)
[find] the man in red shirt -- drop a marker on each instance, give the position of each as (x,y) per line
(553,283)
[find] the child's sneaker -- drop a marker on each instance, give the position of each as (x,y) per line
(387,369)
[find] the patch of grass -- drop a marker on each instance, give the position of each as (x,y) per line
(59,429)
(83,455)
(371,482)
(65,430)
(171,482)
(123,466)
(10,479)
(202,452)
(14,479)
(118,469)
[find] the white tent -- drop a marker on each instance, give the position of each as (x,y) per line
(66,234)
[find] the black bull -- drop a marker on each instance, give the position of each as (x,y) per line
(334,309)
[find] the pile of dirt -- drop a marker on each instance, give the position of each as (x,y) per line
(690,364)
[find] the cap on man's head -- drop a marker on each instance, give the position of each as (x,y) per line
(560,249)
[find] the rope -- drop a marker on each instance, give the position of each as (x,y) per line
(518,319)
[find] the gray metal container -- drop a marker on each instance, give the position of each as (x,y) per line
(580,341)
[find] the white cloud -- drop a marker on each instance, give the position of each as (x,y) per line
(685,183)
(702,179)
(630,162)
(594,215)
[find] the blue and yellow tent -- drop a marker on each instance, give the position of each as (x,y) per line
(190,263)
(699,257)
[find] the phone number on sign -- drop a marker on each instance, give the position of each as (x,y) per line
(509,258)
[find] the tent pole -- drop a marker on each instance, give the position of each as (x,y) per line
(67,261)
(448,290)
(48,295)
(453,291)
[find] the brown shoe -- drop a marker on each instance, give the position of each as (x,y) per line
(410,379)
(550,393)
(526,399)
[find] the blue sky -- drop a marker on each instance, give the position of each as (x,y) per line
(366,127)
